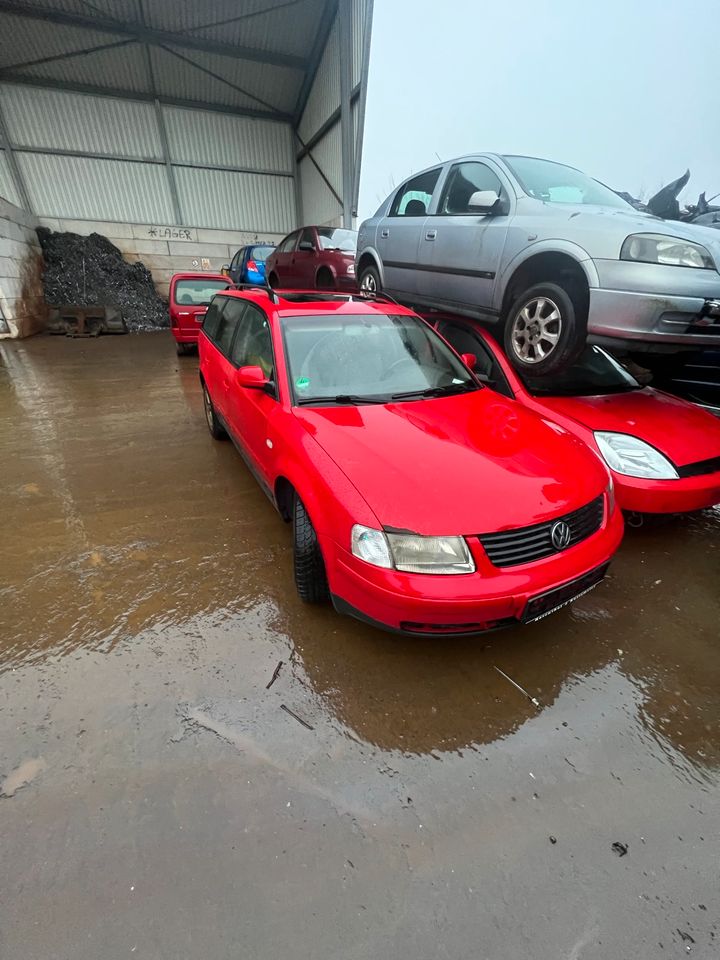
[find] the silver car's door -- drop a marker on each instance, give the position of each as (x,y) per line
(399,233)
(461,245)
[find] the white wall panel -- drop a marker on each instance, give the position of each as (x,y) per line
(324,97)
(236,201)
(83,189)
(7,184)
(72,121)
(198,136)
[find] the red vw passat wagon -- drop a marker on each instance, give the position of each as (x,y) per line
(421,501)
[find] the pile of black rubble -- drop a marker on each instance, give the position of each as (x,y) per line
(90,271)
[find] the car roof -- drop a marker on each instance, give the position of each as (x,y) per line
(199,275)
(298,303)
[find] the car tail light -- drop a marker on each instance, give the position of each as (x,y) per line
(251,265)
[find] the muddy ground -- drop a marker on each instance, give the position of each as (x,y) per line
(158,802)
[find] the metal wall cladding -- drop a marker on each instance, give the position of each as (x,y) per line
(80,188)
(328,155)
(197,136)
(324,97)
(120,67)
(361,26)
(228,200)
(318,203)
(7,184)
(73,121)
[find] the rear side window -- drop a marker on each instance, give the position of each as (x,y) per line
(229,319)
(261,253)
(212,317)
(413,198)
(253,343)
(463,181)
(288,243)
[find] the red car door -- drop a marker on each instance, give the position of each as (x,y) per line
(218,371)
(306,260)
(282,261)
(250,410)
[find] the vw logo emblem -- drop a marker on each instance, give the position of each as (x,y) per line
(560,534)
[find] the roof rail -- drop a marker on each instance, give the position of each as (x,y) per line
(376,295)
(265,287)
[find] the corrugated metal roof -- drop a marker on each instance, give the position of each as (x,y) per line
(197,136)
(236,201)
(24,40)
(122,68)
(73,121)
(289,29)
(324,96)
(118,9)
(7,184)
(276,87)
(83,189)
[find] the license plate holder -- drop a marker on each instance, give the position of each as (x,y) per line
(546,603)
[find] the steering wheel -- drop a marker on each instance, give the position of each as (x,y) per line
(396,365)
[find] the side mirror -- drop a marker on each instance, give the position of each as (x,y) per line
(306,246)
(469,359)
(252,378)
(483,201)
(225,270)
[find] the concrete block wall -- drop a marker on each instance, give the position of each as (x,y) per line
(165,249)
(23,310)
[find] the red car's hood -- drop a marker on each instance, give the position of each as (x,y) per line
(473,463)
(682,431)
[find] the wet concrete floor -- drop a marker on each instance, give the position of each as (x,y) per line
(156,800)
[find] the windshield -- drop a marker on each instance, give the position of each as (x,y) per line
(260,253)
(369,358)
(556,183)
(337,239)
(198,293)
(595,373)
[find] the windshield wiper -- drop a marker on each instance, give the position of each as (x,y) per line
(340,398)
(446,391)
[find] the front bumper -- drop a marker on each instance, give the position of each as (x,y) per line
(683,308)
(667,496)
(467,604)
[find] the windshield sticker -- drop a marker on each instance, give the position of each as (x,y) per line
(302,383)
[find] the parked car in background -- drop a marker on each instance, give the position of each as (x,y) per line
(248,264)
(314,258)
(190,296)
(664,453)
(421,502)
(549,254)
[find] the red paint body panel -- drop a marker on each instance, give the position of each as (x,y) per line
(682,431)
(186,319)
(461,465)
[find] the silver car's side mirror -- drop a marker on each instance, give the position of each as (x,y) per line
(482,201)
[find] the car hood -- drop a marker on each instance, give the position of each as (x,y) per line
(680,430)
(473,463)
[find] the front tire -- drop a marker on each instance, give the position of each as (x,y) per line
(308,564)
(370,280)
(217,431)
(546,329)
(273,281)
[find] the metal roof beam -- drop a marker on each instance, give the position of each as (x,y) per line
(137,31)
(346,120)
(327,19)
(8,76)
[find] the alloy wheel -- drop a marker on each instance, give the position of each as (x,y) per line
(536,330)
(367,284)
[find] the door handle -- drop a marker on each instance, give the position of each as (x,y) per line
(385,233)
(430,234)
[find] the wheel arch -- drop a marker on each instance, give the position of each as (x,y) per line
(370,258)
(549,262)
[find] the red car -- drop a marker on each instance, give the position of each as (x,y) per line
(421,502)
(190,296)
(664,453)
(314,258)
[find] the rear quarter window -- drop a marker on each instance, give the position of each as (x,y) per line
(212,317)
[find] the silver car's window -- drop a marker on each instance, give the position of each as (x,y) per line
(463,181)
(413,198)
(556,183)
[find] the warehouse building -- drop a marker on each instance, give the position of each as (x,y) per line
(180,131)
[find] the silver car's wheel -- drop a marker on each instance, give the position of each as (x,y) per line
(369,280)
(536,329)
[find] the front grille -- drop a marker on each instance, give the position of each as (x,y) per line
(699,468)
(513,547)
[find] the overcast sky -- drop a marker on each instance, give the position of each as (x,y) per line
(626,90)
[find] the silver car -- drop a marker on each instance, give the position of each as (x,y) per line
(548,252)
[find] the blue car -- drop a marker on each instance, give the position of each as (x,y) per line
(248,264)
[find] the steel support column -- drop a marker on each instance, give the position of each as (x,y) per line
(360,107)
(346,121)
(12,163)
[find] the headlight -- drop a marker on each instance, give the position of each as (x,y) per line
(411,553)
(671,251)
(633,457)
